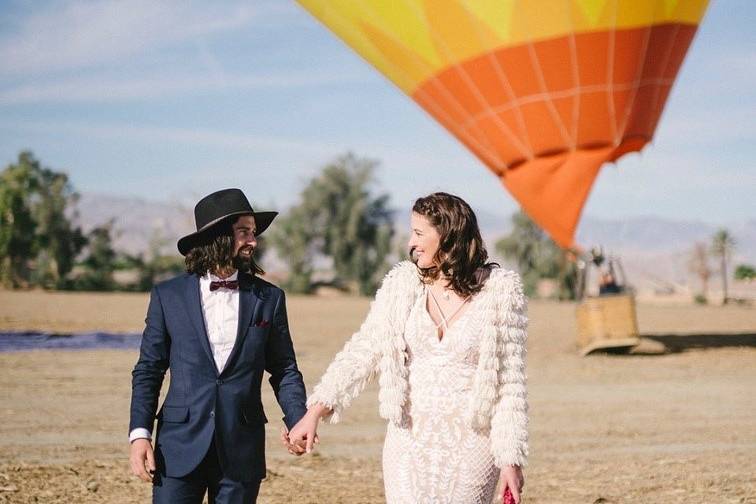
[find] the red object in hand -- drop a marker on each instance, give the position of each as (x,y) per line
(508,497)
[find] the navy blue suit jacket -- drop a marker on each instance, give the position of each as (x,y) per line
(202,402)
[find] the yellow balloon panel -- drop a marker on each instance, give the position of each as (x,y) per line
(440,33)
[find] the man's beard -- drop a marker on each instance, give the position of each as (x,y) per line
(244,263)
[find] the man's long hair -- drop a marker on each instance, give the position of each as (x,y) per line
(216,251)
(461,255)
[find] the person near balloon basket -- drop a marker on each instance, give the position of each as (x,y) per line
(447,335)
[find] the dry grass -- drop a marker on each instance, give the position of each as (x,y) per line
(672,428)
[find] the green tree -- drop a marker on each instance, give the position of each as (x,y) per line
(339,218)
(538,257)
(156,266)
(100,261)
(38,242)
(745,272)
(722,245)
(293,238)
(18,244)
(59,242)
(400,248)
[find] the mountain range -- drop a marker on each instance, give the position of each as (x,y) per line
(654,250)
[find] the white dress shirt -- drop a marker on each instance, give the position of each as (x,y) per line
(220,311)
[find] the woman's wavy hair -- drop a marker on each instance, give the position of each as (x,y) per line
(215,251)
(461,256)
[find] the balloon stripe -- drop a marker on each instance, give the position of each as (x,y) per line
(660,96)
(614,131)
(551,109)
(575,67)
(471,90)
(639,70)
(528,92)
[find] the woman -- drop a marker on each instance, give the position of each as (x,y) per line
(447,334)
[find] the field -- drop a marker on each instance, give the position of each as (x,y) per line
(660,426)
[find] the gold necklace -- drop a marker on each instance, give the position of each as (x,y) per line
(446,292)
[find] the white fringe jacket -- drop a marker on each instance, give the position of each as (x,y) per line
(498,402)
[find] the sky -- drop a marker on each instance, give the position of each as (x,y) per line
(169,101)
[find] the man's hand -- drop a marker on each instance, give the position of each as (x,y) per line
(142,459)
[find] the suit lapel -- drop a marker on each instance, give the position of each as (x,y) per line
(248,299)
(194,308)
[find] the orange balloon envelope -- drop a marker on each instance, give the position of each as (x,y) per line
(542,91)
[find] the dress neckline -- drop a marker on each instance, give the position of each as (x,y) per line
(468,302)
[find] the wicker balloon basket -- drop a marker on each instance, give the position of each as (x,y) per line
(607,323)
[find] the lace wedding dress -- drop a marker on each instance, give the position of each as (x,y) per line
(439,458)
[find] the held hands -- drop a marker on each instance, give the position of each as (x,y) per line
(511,477)
(298,448)
(304,435)
(142,459)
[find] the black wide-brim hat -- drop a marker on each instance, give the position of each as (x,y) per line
(214,209)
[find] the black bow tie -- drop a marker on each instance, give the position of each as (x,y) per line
(225,284)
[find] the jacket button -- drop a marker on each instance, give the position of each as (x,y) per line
(219,381)
(212,413)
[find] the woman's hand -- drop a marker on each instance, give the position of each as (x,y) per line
(290,447)
(511,476)
(305,432)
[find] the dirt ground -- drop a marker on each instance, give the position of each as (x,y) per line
(673,423)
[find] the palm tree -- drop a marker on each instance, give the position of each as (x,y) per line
(699,265)
(722,246)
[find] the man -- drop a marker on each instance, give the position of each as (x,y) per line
(217,328)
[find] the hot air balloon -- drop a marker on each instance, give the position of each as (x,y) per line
(544,92)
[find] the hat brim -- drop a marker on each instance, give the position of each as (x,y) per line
(262,221)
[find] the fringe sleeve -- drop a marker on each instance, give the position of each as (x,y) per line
(509,424)
(356,364)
